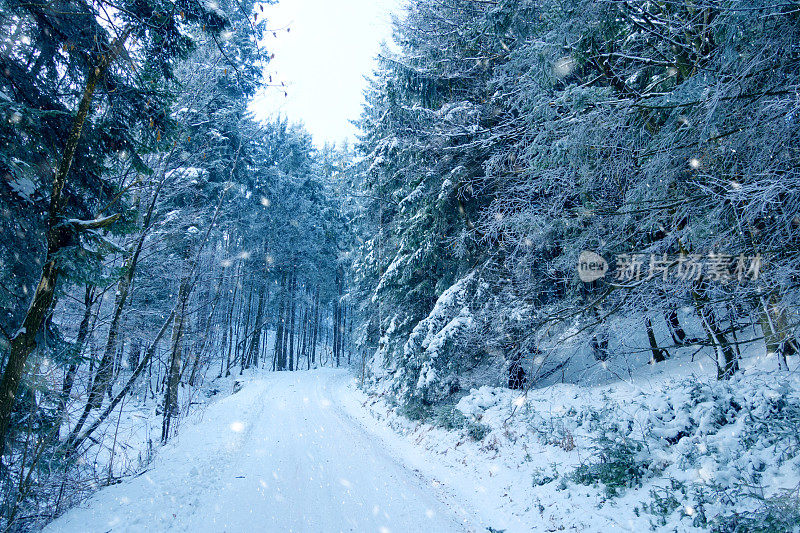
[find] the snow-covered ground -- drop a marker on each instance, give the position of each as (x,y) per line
(669,449)
(279,455)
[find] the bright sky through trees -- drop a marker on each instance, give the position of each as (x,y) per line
(323,59)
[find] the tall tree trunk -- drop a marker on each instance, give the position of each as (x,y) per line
(284,357)
(58,235)
(237,333)
(338,319)
(200,347)
(336,331)
(326,342)
(117,364)
(259,356)
(349,334)
(135,352)
(344,333)
(277,353)
(292,308)
(241,346)
(174,371)
(255,341)
(304,330)
(227,336)
(315,327)
(188,282)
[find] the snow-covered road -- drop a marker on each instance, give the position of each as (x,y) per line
(279,455)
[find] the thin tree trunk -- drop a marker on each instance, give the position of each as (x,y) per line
(777,337)
(242,344)
(315,327)
(291,321)
(235,339)
(276,353)
(285,321)
(133,355)
(326,342)
(187,284)
(252,356)
(727,364)
(349,334)
(174,371)
(679,336)
(344,334)
(74,442)
(227,336)
(304,330)
(75,352)
(201,347)
(659,354)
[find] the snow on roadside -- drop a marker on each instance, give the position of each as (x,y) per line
(133,433)
(670,449)
(164,494)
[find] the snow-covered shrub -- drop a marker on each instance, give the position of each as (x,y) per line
(775,422)
(416,410)
(449,417)
(729,452)
(542,476)
(431,360)
(476,430)
(777,514)
(620,464)
(664,501)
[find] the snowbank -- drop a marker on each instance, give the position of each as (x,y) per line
(670,449)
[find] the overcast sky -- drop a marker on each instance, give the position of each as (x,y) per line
(322,60)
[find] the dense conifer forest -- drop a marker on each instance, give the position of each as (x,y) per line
(544,195)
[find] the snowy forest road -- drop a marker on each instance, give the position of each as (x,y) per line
(276,456)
